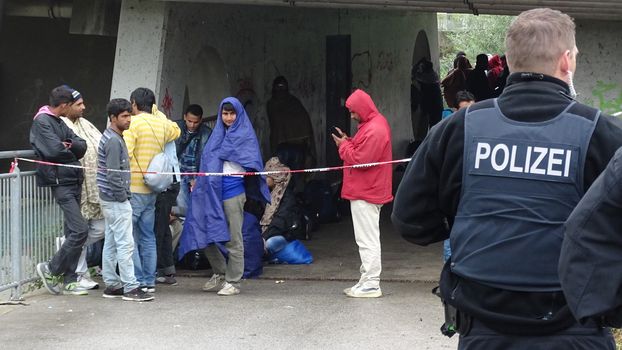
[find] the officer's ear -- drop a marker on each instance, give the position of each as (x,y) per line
(567,60)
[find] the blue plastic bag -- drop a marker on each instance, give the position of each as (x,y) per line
(293,253)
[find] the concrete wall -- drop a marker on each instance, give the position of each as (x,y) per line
(38,54)
(140,47)
(598,78)
(256,44)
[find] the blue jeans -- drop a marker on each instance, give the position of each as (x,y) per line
(143,220)
(446,250)
(275,244)
(118,246)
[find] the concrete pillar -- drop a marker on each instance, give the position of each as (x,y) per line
(140,47)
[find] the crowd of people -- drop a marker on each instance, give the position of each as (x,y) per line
(115,196)
(511,182)
(486,80)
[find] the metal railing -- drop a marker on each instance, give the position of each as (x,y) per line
(30,221)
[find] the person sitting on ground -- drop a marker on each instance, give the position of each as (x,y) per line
(281,217)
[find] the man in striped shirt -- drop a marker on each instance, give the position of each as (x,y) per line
(114,193)
(147,135)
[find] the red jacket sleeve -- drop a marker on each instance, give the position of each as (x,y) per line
(363,148)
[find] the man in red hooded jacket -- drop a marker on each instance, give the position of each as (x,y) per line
(367,188)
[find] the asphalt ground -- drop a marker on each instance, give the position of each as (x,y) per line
(288,307)
(267,315)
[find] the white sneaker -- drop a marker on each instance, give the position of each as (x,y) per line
(364,292)
(347,290)
(216,282)
(229,289)
(86,282)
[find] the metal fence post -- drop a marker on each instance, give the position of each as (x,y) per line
(16,233)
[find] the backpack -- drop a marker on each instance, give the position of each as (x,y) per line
(161,162)
(321,202)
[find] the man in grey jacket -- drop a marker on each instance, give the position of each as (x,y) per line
(113,181)
(53,141)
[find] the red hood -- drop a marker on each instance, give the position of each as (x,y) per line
(494,62)
(360,103)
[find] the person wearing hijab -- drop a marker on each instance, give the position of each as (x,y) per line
(290,123)
(477,81)
(216,211)
(281,215)
(495,68)
(455,81)
(431,105)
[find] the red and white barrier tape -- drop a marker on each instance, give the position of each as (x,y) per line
(314,170)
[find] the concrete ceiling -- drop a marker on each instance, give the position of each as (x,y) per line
(589,9)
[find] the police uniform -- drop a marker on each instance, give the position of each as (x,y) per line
(591,256)
(502,177)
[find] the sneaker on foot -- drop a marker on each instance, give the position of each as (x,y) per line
(74,288)
(147,289)
(50,282)
(347,290)
(215,283)
(86,282)
(229,289)
(362,292)
(137,294)
(113,292)
(167,279)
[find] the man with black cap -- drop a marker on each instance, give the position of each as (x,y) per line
(53,141)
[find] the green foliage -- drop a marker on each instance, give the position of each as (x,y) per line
(605,94)
(473,35)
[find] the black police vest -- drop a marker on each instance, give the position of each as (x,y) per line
(520,183)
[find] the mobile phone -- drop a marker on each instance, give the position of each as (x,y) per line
(336,131)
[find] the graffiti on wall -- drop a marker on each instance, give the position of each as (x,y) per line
(361,69)
(386,61)
(167,103)
(306,87)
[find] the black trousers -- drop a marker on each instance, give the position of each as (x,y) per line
(164,203)
(577,337)
(76,230)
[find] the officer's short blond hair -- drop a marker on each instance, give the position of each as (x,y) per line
(537,38)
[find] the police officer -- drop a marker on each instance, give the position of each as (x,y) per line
(591,256)
(499,178)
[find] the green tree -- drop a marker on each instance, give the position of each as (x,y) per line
(471,34)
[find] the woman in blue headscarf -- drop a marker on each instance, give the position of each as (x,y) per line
(216,210)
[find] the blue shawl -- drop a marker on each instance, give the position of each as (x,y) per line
(205,220)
